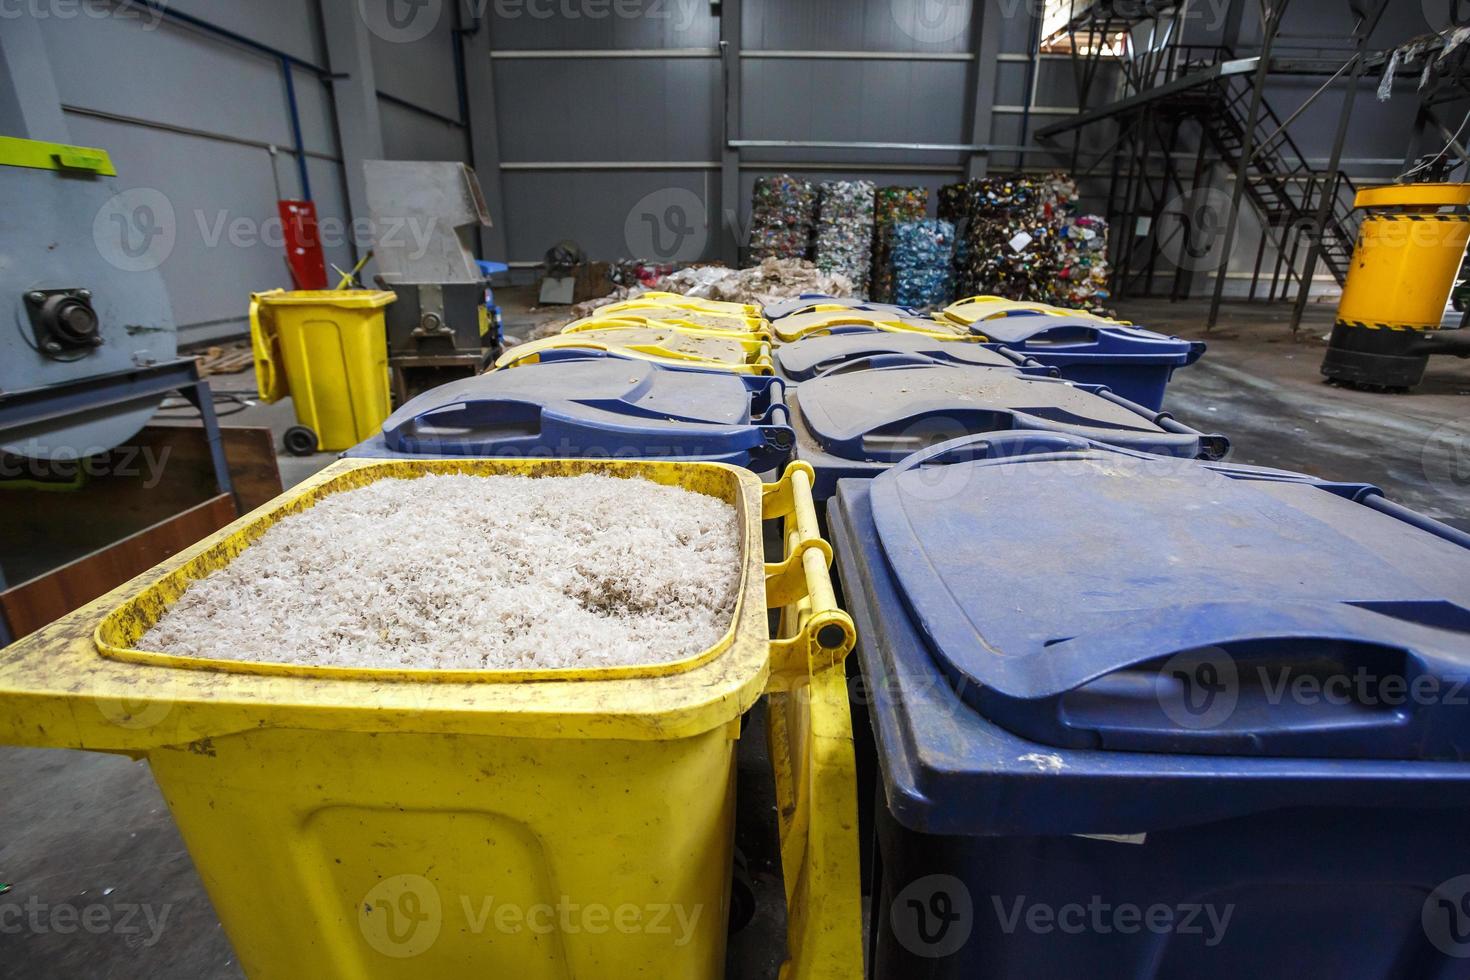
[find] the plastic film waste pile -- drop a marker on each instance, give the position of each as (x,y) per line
(845,230)
(783,218)
(892,205)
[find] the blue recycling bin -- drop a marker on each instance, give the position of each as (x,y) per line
(807,302)
(811,356)
(1155,718)
(594,408)
(864,416)
(1134,362)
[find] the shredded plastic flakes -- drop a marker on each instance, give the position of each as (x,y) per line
(468,573)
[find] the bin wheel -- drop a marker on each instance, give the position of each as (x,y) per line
(742,895)
(299,441)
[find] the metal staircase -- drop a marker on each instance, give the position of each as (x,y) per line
(1212,87)
(1282,185)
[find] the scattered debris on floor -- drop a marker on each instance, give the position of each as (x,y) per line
(225,360)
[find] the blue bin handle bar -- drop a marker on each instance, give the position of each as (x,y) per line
(1213,446)
(1375,499)
(1023,360)
(526,425)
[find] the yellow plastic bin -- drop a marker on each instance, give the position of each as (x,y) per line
(680,301)
(697,320)
(973,309)
(327,349)
(790,329)
(737,354)
(362,823)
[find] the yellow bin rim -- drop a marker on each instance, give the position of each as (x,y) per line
(347,298)
(90,654)
(1413,196)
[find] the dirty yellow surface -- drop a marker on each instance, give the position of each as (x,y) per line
(735,353)
(356,823)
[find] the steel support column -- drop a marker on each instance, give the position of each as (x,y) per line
(484,131)
(355,99)
(30,106)
(730,227)
(1269,28)
(985,43)
(1366,25)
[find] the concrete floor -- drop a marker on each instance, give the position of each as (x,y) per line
(99,883)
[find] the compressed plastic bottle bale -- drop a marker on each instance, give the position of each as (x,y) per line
(845,230)
(783,217)
(1019,240)
(891,206)
(922,261)
(953,203)
(1082,263)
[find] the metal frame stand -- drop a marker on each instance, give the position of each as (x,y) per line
(95,395)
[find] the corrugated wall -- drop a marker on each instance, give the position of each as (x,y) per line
(193,116)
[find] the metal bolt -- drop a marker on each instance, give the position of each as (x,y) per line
(37,297)
(52,347)
(84,294)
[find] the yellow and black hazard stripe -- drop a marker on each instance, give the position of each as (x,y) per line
(1367,325)
(1377,216)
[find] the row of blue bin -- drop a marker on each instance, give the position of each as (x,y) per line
(1079,634)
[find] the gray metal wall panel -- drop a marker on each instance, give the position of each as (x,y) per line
(420,71)
(614,109)
(287,25)
(314,104)
(593,209)
(584,24)
(887,101)
(409,135)
(858,25)
(171,75)
(221,196)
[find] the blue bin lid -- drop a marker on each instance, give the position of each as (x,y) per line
(1126,602)
(1039,333)
(885,414)
(805,302)
(605,406)
(811,356)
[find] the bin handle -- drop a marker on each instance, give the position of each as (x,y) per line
(265,343)
(875,362)
(810,738)
(821,634)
